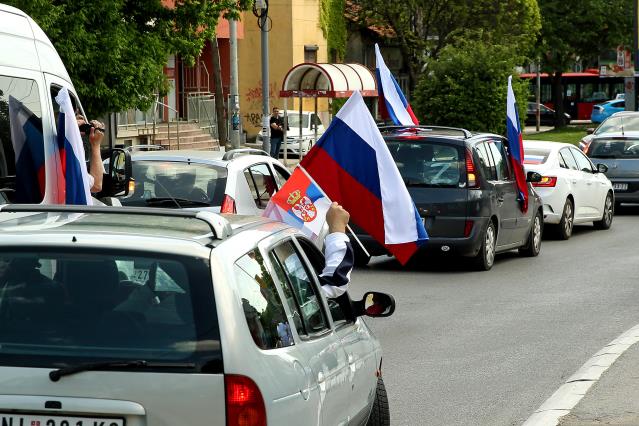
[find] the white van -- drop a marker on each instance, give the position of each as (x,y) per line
(32,73)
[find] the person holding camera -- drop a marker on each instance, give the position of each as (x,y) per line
(95,131)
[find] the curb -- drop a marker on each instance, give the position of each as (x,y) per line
(576,386)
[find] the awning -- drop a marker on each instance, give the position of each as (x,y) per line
(328,81)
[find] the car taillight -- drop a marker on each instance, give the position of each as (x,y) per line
(244,402)
(468,228)
(471,177)
(546,181)
(228,205)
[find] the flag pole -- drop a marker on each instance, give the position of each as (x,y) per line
(329,199)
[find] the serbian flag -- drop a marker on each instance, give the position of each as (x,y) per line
(300,203)
(392,102)
(353,166)
(77,188)
(516,146)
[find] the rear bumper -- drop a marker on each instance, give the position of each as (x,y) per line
(631,195)
(461,246)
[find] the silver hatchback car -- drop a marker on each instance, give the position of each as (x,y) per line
(135,316)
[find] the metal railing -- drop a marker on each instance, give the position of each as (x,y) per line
(168,124)
(201,109)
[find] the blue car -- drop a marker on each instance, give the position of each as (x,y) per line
(602,111)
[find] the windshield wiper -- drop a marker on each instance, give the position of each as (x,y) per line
(55,375)
(179,202)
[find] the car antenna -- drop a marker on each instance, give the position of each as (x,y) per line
(622,133)
(169,194)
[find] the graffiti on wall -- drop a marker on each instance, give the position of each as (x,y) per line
(252,109)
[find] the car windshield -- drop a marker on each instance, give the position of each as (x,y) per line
(428,164)
(535,155)
(630,123)
(188,184)
(294,120)
(611,148)
(71,307)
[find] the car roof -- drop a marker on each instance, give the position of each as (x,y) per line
(433,133)
(187,156)
(545,144)
(622,113)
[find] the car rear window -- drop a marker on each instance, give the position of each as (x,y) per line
(608,148)
(429,164)
(535,155)
(71,307)
(158,181)
(618,123)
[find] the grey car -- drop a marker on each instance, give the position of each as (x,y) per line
(121,316)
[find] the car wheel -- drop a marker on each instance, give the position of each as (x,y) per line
(564,230)
(533,245)
(361,258)
(380,414)
(486,256)
(609,212)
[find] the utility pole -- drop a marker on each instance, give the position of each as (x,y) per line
(234,99)
(629,82)
(263,21)
(538,96)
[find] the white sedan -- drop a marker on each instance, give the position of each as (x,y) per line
(572,189)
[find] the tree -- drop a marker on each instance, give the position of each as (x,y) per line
(574,29)
(466,87)
(424,27)
(115,50)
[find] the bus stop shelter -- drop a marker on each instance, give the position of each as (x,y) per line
(311,80)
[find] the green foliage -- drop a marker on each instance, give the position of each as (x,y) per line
(333,25)
(568,134)
(115,50)
(466,87)
(424,27)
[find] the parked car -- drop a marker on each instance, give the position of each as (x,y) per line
(619,152)
(626,122)
(604,110)
(32,73)
(119,316)
(308,121)
(238,181)
(546,115)
(465,192)
(572,189)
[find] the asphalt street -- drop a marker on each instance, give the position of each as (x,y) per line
(488,348)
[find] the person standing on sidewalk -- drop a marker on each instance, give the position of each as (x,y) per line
(277,132)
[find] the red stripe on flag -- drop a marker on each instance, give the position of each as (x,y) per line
(412,115)
(364,207)
(297,181)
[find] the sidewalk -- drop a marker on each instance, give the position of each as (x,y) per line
(614,399)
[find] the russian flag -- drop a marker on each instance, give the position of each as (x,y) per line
(28,146)
(300,203)
(392,102)
(71,149)
(353,166)
(516,145)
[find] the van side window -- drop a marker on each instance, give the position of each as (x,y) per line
(486,161)
(500,161)
(261,303)
(21,133)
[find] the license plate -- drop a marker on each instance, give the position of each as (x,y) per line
(44,420)
(620,186)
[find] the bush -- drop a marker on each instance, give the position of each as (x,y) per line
(466,87)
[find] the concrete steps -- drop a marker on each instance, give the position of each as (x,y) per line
(192,137)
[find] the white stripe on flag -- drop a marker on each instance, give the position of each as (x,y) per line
(390,91)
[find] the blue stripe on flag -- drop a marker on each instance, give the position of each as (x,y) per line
(422,236)
(399,92)
(75,185)
(313,192)
(353,154)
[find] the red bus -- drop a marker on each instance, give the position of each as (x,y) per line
(582,90)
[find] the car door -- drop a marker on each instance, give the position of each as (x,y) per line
(509,209)
(357,342)
(498,191)
(323,351)
(579,187)
(262,185)
(592,196)
(281,175)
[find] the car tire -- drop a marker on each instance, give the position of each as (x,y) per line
(564,229)
(380,414)
(361,258)
(485,259)
(608,214)
(533,244)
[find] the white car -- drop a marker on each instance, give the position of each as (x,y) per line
(239,181)
(309,119)
(153,317)
(572,189)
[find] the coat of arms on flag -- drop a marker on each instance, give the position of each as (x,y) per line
(300,203)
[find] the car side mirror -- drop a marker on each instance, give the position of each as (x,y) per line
(590,130)
(602,168)
(376,305)
(533,177)
(118,177)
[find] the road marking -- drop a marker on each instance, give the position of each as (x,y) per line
(570,393)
